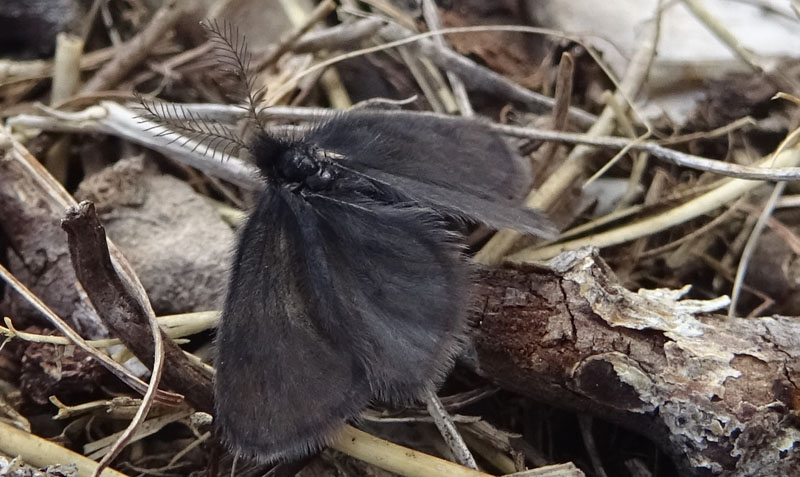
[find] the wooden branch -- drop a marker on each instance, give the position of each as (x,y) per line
(122,313)
(718,394)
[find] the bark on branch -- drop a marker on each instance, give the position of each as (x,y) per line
(720,395)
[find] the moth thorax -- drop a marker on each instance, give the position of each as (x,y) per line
(293,162)
(296,165)
(305,166)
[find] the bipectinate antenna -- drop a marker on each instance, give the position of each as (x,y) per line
(187,127)
(232,49)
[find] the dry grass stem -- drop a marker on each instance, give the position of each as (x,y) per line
(42,453)
(397,459)
(574,167)
(731,190)
(115,368)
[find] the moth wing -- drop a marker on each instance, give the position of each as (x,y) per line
(334,300)
(494,213)
(459,154)
(283,386)
(395,279)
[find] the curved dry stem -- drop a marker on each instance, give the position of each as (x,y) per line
(115,368)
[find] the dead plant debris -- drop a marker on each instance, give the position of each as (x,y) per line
(661,153)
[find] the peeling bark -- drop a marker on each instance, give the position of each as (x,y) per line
(720,395)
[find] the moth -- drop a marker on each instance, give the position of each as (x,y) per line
(348,283)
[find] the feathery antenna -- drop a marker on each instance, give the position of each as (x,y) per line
(232,49)
(187,126)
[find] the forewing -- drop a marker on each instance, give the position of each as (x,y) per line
(458,166)
(460,154)
(284,384)
(394,277)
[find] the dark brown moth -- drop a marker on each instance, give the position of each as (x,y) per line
(348,283)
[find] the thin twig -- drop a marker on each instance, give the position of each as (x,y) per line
(115,368)
(113,118)
(172,63)
(418,72)
(752,243)
(675,157)
(338,37)
(716,132)
(329,80)
(572,169)
(449,432)
(100,447)
(137,48)
(108,22)
(563,97)
(431,14)
(625,125)
(288,41)
(147,400)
